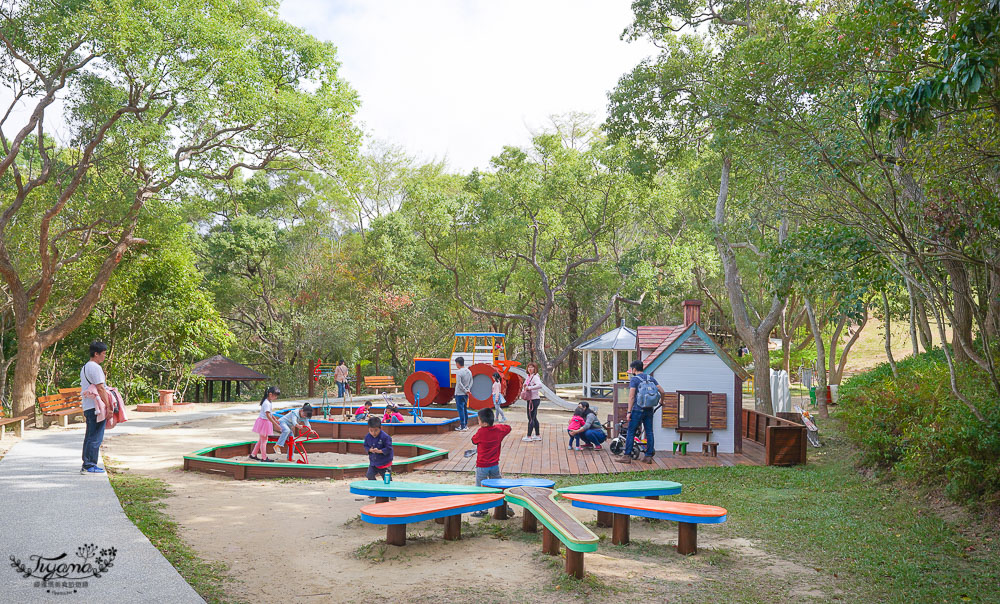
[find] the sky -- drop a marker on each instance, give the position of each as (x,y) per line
(458,80)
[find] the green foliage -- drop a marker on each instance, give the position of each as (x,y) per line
(915,426)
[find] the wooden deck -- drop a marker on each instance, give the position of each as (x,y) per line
(551,456)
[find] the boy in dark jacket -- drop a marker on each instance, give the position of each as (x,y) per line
(378,445)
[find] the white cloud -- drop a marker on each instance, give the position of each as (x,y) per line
(459,80)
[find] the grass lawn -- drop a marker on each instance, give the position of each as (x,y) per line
(868,540)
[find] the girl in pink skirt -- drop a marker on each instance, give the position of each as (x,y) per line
(264,423)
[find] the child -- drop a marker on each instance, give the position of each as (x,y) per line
(575,423)
(487,440)
(363,411)
(264,423)
(392,415)
(378,445)
(498,397)
(291,419)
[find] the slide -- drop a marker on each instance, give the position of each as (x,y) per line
(551,396)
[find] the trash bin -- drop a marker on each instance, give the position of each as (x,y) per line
(812,396)
(829,396)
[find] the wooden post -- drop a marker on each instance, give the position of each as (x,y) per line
(687,538)
(653,497)
(395,534)
(237,388)
(439,520)
(209,388)
(197,393)
(453,528)
(309,379)
(574,563)
(357,380)
(381,499)
(500,512)
(529,524)
(620,529)
(604,518)
(550,543)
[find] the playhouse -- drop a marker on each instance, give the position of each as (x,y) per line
(703,384)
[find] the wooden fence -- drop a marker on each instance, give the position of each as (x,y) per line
(784,441)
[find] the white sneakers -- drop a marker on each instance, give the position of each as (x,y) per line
(529,439)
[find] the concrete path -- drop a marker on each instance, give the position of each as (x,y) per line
(49,509)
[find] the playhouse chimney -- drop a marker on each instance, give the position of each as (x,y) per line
(692,312)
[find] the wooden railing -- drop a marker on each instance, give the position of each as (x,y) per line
(784,441)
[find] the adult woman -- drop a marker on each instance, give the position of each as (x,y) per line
(592,433)
(340,377)
(530,393)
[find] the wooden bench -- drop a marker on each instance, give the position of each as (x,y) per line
(381,382)
(650,489)
(415,490)
(60,406)
(503,484)
(397,514)
(540,504)
(687,516)
(18,423)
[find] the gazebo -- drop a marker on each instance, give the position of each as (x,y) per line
(618,340)
(227,371)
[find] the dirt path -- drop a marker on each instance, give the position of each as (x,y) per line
(302,541)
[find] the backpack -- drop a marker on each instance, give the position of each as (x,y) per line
(647,395)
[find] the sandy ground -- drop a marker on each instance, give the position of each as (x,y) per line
(298,540)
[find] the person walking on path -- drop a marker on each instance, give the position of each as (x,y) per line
(265,420)
(92,375)
(463,384)
(340,377)
(644,393)
(530,393)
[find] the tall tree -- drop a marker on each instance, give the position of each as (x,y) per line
(159,97)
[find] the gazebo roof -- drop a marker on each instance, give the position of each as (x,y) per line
(222,368)
(620,338)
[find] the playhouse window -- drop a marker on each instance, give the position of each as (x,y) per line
(692,409)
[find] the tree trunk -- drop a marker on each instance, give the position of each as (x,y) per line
(913,321)
(814,327)
(961,336)
(923,325)
(992,326)
(888,334)
(756,337)
(837,375)
(29,358)
(574,333)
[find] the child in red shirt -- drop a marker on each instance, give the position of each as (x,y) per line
(487,440)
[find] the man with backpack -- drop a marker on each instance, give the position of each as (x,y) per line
(643,397)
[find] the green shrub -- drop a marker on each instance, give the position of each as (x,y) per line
(916,426)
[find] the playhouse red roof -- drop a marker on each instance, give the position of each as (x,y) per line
(657,337)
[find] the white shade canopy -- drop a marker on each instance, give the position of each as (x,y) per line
(621,339)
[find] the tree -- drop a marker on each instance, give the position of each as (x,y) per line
(514,242)
(160,97)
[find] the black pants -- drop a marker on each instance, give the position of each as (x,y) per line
(533,416)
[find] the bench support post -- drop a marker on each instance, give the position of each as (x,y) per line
(439,520)
(453,528)
(500,512)
(604,518)
(620,529)
(395,534)
(550,543)
(381,499)
(529,524)
(687,538)
(574,563)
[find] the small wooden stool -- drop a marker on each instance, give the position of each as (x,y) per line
(682,445)
(710,448)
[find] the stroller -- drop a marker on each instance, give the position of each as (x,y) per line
(617,444)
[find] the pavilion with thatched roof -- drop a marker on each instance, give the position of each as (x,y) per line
(225,370)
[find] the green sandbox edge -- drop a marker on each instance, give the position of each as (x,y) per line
(199,455)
